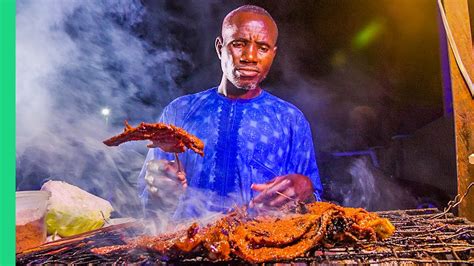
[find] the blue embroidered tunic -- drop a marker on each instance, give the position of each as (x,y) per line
(246,141)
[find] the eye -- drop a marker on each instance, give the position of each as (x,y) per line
(263,49)
(238,44)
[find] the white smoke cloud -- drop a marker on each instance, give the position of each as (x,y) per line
(372,190)
(73,59)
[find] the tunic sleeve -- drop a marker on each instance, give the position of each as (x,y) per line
(302,156)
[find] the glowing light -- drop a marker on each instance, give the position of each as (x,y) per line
(368,34)
(105,111)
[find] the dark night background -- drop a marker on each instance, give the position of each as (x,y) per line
(367,75)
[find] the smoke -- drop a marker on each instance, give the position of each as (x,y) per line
(369,188)
(174,212)
(75,58)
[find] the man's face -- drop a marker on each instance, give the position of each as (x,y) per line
(247,49)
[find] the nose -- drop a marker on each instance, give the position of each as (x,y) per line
(249,54)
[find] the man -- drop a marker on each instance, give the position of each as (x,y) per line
(258,148)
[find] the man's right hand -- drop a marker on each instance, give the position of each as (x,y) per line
(164,182)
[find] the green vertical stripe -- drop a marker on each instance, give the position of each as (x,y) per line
(7,132)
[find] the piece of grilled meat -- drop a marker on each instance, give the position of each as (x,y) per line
(167,137)
(266,239)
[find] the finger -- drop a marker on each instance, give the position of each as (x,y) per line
(149,179)
(174,166)
(181,176)
(278,201)
(151,145)
(170,170)
(269,193)
(172,174)
(283,198)
(262,187)
(281,186)
(184,183)
(251,204)
(258,199)
(152,189)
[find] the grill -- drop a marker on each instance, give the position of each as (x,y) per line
(422,236)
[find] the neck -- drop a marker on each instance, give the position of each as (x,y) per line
(230,91)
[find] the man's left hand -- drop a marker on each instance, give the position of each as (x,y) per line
(281,190)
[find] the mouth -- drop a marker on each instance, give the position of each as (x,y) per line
(247,72)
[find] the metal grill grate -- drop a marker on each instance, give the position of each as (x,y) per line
(422,236)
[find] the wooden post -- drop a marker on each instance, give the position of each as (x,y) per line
(457,14)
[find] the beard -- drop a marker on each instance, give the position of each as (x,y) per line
(249,87)
(245,83)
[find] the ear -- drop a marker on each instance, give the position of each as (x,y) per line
(218,44)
